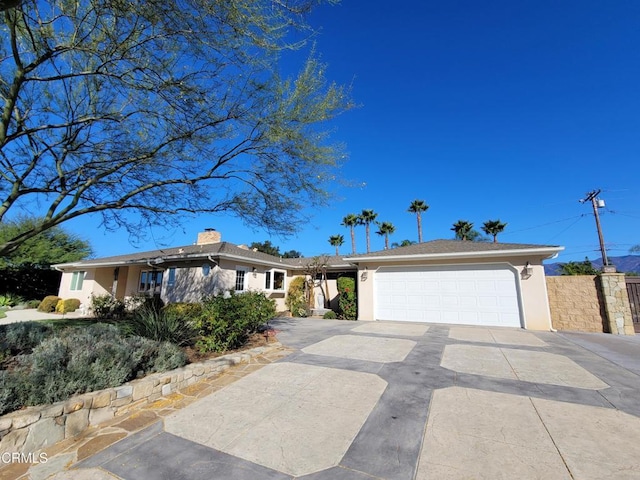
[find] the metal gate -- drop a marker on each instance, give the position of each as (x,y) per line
(633,289)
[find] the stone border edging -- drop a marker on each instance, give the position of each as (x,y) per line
(37,428)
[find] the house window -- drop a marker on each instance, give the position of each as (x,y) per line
(171,281)
(206,268)
(77,279)
(150,281)
(274,280)
(240,279)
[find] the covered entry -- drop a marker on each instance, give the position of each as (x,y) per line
(457,294)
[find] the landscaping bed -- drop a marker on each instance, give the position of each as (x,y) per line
(50,361)
(36,428)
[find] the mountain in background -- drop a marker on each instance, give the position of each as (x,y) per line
(624,264)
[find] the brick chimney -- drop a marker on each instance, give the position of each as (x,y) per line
(210,235)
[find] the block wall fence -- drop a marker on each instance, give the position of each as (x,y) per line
(590,303)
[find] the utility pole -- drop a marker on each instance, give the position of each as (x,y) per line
(596,203)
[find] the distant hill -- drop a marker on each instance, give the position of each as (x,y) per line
(625,264)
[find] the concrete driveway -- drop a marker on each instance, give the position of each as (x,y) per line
(360,400)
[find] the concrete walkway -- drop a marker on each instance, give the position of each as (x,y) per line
(356,400)
(30,314)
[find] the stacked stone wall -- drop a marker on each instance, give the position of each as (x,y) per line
(616,300)
(576,304)
(37,428)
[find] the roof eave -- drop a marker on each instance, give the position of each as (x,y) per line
(546,252)
(170,258)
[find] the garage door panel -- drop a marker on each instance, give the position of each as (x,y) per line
(488,302)
(470,318)
(479,295)
(486,286)
(466,286)
(448,286)
(489,318)
(449,301)
(507,302)
(432,301)
(415,316)
(503,284)
(415,300)
(468,301)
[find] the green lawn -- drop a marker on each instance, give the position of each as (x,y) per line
(60,323)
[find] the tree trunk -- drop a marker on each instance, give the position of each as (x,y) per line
(419,228)
(353,240)
(368,245)
(327,300)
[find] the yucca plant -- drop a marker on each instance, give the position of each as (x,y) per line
(161,325)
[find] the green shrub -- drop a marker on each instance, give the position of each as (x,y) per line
(347,300)
(33,303)
(330,315)
(13,391)
(10,300)
(105,306)
(80,360)
(67,305)
(22,337)
(184,310)
(162,325)
(48,304)
(296,301)
(143,301)
(227,320)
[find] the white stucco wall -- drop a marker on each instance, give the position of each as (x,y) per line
(96,282)
(191,285)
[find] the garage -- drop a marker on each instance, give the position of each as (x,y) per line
(456,294)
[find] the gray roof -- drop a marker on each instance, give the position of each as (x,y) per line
(221,249)
(445,248)
(432,249)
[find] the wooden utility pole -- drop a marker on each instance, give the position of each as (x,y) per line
(592,197)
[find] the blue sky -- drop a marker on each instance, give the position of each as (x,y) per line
(486,110)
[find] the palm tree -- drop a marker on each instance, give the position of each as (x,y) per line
(417,207)
(351,220)
(366,218)
(336,241)
(493,227)
(403,243)
(385,229)
(463,229)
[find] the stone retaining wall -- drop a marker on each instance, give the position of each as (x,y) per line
(36,428)
(576,304)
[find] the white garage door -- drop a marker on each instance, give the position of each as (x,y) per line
(473,295)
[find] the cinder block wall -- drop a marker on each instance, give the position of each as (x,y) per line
(575,303)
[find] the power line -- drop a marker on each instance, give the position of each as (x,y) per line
(562,231)
(543,225)
(622,214)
